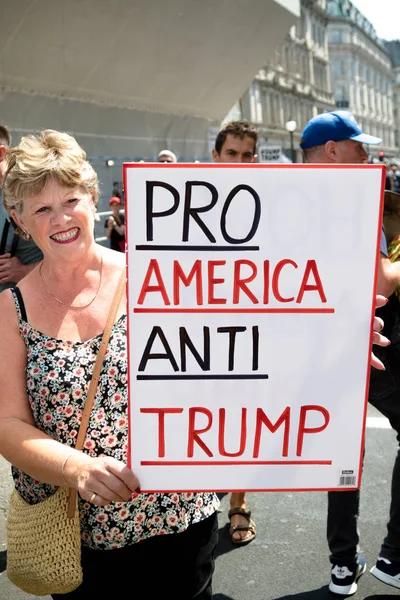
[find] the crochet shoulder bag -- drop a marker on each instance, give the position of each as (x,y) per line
(43,540)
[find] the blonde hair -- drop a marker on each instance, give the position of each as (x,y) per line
(41,158)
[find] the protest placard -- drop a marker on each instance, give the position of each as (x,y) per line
(250,301)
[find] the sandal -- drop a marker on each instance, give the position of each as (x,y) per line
(251,527)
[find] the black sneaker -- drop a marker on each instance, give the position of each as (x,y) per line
(344,577)
(387,571)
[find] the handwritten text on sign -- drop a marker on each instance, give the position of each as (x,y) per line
(250,303)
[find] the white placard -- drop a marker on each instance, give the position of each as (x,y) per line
(250,301)
(267,154)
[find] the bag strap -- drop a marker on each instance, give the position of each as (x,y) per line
(95,380)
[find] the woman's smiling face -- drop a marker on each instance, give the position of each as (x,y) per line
(58,218)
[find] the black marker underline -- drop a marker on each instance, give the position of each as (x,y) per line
(237,248)
(196,377)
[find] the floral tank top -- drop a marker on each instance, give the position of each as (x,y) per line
(58,373)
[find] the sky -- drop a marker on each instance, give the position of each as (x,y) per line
(384,16)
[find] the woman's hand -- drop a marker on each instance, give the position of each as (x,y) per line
(378,338)
(111,222)
(100,480)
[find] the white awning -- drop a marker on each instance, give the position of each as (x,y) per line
(182,57)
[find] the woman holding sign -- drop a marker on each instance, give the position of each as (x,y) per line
(52,326)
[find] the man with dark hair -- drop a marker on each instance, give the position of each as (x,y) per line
(336,138)
(18,256)
(393,178)
(237,143)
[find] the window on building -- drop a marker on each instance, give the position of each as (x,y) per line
(339,93)
(267,108)
(338,67)
(274,109)
(333,7)
(372,99)
(318,34)
(286,108)
(322,37)
(362,97)
(379,103)
(298,114)
(317,74)
(303,68)
(335,36)
(384,106)
(287,63)
(324,78)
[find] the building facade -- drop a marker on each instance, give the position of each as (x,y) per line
(293,86)
(151,76)
(393,48)
(361,73)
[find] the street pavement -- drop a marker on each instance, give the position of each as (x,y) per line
(289,557)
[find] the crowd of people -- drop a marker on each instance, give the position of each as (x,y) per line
(57,284)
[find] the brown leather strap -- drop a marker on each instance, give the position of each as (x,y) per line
(95,380)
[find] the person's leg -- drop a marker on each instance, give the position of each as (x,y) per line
(391,544)
(199,547)
(238,500)
(343,537)
(93,563)
(390,408)
(342,527)
(386,400)
(343,507)
(242,527)
(178,566)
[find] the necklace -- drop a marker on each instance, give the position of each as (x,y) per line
(65,303)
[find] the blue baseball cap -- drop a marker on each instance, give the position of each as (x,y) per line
(334,126)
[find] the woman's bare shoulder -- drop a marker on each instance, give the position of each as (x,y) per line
(8,317)
(7,304)
(113,258)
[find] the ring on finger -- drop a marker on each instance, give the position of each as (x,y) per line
(92,498)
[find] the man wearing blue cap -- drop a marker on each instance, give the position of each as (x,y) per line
(336,138)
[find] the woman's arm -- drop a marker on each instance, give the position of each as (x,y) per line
(119,226)
(37,454)
(110,226)
(120,229)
